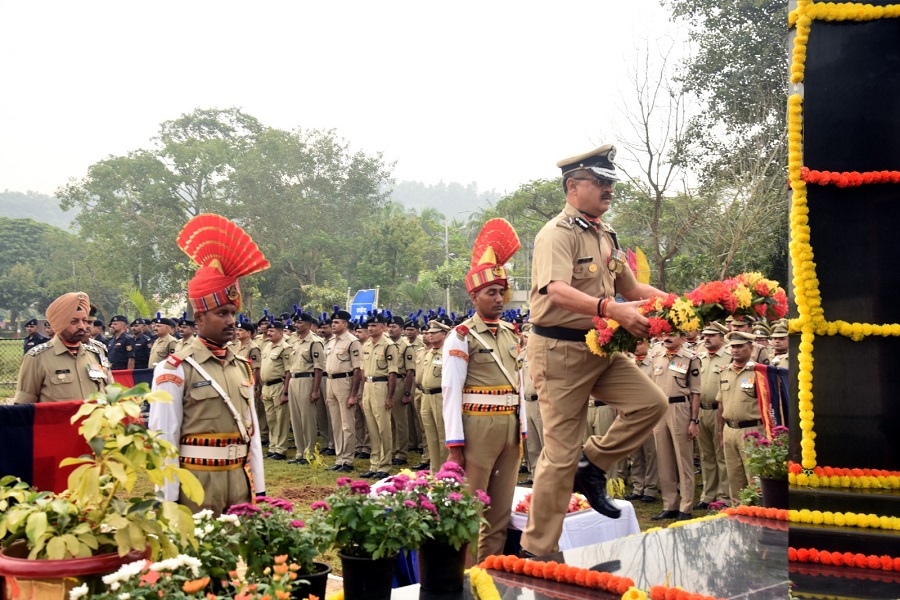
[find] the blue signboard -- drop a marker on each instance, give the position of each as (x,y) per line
(364,300)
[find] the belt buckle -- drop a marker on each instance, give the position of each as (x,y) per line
(511,400)
(369,379)
(232,451)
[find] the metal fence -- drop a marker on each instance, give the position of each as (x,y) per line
(10,359)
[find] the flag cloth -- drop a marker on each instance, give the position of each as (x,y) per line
(34,438)
(772,395)
(130,378)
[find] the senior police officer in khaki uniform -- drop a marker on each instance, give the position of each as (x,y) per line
(484,419)
(211,417)
(277,355)
(713,359)
(431,368)
(577,270)
(380,366)
(533,422)
(165,342)
(400,425)
(63,368)
(644,470)
(780,345)
(304,383)
(418,377)
(677,373)
(745,324)
(738,409)
(343,364)
(414,343)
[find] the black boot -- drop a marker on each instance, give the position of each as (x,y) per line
(590,480)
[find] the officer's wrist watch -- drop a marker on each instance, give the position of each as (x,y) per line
(695,421)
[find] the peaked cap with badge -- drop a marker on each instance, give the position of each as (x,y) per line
(224,252)
(496,243)
(597,161)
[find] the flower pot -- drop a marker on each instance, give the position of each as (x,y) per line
(774,492)
(367,578)
(53,579)
(316,582)
(441,567)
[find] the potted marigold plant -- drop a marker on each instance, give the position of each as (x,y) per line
(97,523)
(767,459)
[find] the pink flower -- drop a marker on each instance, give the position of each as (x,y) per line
(296,523)
(454,496)
(320,505)
(342,481)
(453,475)
(360,487)
(483,498)
(409,503)
(243,510)
(452,466)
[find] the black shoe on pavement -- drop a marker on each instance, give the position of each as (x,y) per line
(423,466)
(333,468)
(590,480)
(684,517)
(367,474)
(701,506)
(328,452)
(345,469)
(278,456)
(527,482)
(649,499)
(381,475)
(363,455)
(666,514)
(399,462)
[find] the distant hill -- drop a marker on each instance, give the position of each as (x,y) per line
(448,198)
(40,207)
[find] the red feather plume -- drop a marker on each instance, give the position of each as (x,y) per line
(499,235)
(214,241)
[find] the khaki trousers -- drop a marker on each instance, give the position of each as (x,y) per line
(261,417)
(277,416)
(362,433)
(644,473)
(738,472)
(565,374)
(534,425)
(492,465)
(323,419)
(303,414)
(399,423)
(420,425)
(712,458)
(599,420)
(378,422)
(435,435)
(343,418)
(221,489)
(675,458)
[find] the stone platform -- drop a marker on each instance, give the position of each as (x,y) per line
(725,558)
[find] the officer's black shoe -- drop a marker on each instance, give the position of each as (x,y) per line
(590,480)
(701,506)
(648,499)
(523,553)
(367,474)
(666,514)
(333,468)
(422,466)
(345,469)
(278,456)
(684,517)
(380,475)
(632,496)
(527,482)
(298,461)
(327,452)
(268,455)
(363,455)
(399,462)
(523,469)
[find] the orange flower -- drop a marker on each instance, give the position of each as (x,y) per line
(508,562)
(592,579)
(488,563)
(280,568)
(658,592)
(623,584)
(519,565)
(281,559)
(282,595)
(191,587)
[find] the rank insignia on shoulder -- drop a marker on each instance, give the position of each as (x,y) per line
(462,331)
(581,223)
(173,360)
(38,349)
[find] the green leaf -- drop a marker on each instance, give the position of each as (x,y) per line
(56,549)
(36,526)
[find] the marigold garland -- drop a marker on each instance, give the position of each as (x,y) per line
(848,178)
(482,584)
(844,559)
(845,519)
(836,477)
(759,512)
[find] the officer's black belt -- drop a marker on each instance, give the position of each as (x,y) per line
(709,405)
(426,390)
(420,388)
(274,381)
(594,402)
(339,375)
(531,397)
(742,424)
(560,333)
(377,379)
(677,399)
(302,375)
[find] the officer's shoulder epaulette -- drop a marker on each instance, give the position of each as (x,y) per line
(93,348)
(567,222)
(38,349)
(607,227)
(242,358)
(462,330)
(172,362)
(507,325)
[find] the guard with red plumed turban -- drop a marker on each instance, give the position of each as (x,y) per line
(212,418)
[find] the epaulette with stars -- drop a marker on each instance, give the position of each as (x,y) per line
(38,349)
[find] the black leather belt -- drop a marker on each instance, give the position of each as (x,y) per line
(709,405)
(743,424)
(302,375)
(560,333)
(377,379)
(339,375)
(531,397)
(426,390)
(677,399)
(274,381)
(594,402)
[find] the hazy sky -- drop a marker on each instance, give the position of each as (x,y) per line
(491,92)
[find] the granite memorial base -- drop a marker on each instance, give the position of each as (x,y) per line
(725,558)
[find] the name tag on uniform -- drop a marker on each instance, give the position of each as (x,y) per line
(584,259)
(61,371)
(437,361)
(483,350)
(678,368)
(200,384)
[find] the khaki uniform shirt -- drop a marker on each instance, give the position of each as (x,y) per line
(276,361)
(568,249)
(645,364)
(380,359)
(711,368)
(780,360)
(410,351)
(678,375)
(760,354)
(431,366)
(737,393)
(420,365)
(50,373)
(309,354)
(183,343)
(161,349)
(252,353)
(343,354)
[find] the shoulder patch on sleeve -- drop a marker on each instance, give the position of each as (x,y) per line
(173,360)
(462,331)
(169,377)
(459,354)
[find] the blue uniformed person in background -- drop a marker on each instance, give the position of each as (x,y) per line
(121,346)
(34,337)
(142,344)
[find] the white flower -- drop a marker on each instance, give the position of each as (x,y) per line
(233,519)
(114,585)
(124,596)
(209,528)
(80,592)
(104,528)
(198,533)
(203,514)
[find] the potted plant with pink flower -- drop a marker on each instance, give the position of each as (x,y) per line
(767,459)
